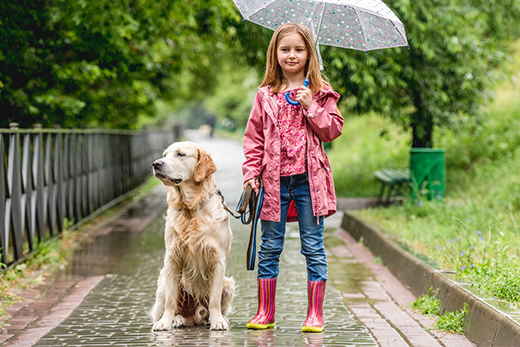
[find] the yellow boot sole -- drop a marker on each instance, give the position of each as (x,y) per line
(259,326)
(312,329)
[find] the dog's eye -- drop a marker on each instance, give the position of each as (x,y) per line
(179,154)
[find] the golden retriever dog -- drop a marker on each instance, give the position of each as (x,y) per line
(192,288)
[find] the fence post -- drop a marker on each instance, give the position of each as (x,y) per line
(38,176)
(28,220)
(4,228)
(14,193)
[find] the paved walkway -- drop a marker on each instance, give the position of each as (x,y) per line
(103,297)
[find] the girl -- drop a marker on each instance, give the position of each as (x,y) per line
(283,145)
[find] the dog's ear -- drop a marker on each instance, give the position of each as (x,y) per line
(205,166)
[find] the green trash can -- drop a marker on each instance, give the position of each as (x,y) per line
(428,172)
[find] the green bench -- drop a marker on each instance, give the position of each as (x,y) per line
(394,181)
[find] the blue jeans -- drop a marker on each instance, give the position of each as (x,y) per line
(294,188)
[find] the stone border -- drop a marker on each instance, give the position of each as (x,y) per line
(484,324)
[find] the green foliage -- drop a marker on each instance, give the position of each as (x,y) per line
(457,49)
(474,232)
(498,277)
(494,136)
(453,322)
(50,252)
(105,63)
(6,299)
(488,266)
(427,303)
(234,95)
(368,143)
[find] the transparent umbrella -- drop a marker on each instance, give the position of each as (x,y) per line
(356,24)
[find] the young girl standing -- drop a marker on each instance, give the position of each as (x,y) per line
(283,146)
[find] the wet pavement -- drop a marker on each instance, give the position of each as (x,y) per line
(103,297)
(115,312)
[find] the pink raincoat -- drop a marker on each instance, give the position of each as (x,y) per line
(262,151)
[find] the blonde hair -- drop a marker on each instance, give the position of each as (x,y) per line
(273,71)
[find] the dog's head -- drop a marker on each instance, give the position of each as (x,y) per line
(184,162)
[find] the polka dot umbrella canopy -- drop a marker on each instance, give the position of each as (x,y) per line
(356,24)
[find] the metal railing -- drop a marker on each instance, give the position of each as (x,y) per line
(48,176)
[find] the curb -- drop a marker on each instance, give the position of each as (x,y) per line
(484,325)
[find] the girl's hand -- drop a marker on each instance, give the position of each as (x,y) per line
(253,182)
(304,97)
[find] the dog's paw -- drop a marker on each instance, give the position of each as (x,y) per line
(219,324)
(179,321)
(162,325)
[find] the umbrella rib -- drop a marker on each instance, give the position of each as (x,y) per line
(310,21)
(319,25)
(261,8)
(356,7)
(362,33)
(399,32)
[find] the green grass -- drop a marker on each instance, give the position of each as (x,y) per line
(6,299)
(427,303)
(453,322)
(475,230)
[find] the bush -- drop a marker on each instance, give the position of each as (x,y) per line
(368,143)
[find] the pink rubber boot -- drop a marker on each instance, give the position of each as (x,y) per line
(264,318)
(315,294)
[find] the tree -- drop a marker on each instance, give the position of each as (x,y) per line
(456,50)
(106,63)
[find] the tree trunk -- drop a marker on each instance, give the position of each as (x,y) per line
(422,129)
(421,121)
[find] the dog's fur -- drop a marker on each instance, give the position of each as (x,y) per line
(192,288)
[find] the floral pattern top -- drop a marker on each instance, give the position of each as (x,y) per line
(293,136)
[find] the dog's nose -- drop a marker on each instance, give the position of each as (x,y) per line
(157,164)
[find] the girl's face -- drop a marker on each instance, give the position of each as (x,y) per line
(292,53)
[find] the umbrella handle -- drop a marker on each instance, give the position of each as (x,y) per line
(288,97)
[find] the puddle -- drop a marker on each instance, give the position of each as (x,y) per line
(102,254)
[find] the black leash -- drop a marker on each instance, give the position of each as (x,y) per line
(247,205)
(248,210)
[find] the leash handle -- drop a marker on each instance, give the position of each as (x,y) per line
(255,214)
